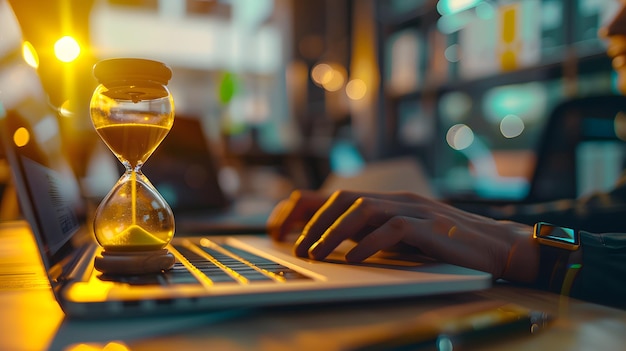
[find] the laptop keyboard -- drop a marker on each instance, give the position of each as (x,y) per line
(213,264)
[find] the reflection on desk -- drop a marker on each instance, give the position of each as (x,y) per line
(31,320)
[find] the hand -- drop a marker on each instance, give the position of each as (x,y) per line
(381,221)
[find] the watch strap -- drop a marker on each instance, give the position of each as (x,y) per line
(556,265)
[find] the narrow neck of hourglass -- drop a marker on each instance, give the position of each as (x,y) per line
(132,167)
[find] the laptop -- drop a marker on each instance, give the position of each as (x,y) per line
(211,273)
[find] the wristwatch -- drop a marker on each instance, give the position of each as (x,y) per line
(560,237)
(560,254)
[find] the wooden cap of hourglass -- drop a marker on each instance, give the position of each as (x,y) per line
(129,69)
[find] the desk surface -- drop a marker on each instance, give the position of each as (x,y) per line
(31,320)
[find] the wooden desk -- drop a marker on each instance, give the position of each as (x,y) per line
(31,320)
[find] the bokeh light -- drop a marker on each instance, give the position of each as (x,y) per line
(447,7)
(452,53)
(460,136)
(321,73)
(511,126)
(66,49)
(356,89)
(528,101)
(455,106)
(30,55)
(21,137)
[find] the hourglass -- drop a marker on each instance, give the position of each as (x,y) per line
(132,112)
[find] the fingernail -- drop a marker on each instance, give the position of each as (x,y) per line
(315,251)
(298,250)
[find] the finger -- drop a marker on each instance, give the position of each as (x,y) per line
(364,215)
(305,204)
(336,205)
(379,239)
(276,219)
(293,212)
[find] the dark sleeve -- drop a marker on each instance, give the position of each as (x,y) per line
(601,212)
(602,278)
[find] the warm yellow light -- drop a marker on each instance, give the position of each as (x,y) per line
(84,347)
(21,137)
(66,49)
(329,76)
(356,89)
(30,54)
(321,73)
(336,80)
(65,110)
(110,346)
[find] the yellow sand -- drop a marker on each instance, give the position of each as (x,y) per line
(135,238)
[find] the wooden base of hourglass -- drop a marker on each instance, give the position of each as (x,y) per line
(134,262)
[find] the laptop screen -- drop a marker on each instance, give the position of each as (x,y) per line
(47,188)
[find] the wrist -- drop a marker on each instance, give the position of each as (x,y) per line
(522,265)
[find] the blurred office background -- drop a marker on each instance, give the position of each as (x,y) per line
(290,91)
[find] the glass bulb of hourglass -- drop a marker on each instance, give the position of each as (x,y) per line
(133,216)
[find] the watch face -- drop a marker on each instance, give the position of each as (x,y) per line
(549,234)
